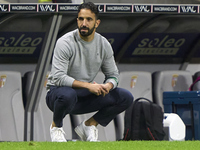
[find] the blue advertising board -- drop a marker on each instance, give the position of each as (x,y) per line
(117,40)
(174,45)
(20,44)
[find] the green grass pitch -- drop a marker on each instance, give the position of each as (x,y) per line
(117,145)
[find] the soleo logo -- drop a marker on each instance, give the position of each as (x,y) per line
(20,43)
(159,46)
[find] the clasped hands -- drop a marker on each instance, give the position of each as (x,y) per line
(100,89)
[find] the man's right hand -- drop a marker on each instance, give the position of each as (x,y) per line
(97,89)
(94,88)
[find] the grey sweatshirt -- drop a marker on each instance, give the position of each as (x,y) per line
(76,59)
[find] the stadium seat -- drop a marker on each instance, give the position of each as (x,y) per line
(196,86)
(139,83)
(43,117)
(11,107)
(176,80)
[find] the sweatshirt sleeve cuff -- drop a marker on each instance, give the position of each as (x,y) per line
(113,82)
(70,81)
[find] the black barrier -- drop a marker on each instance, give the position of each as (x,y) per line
(103,8)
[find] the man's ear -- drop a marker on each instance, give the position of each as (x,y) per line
(98,21)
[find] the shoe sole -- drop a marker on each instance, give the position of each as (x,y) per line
(80,133)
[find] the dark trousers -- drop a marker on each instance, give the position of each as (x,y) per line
(67,100)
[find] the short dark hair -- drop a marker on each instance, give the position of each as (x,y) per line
(91,6)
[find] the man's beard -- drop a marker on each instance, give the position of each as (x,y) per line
(83,33)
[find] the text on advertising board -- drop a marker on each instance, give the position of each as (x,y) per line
(174,44)
(20,42)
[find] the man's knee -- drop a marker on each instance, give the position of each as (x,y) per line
(126,96)
(65,96)
(129,97)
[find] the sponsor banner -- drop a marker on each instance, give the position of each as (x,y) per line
(119,8)
(47,8)
(165,9)
(189,9)
(142,8)
(23,7)
(21,43)
(162,45)
(17,50)
(74,8)
(64,7)
(101,8)
(4,8)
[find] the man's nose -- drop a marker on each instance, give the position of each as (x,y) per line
(84,22)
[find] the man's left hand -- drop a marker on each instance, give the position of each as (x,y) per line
(106,88)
